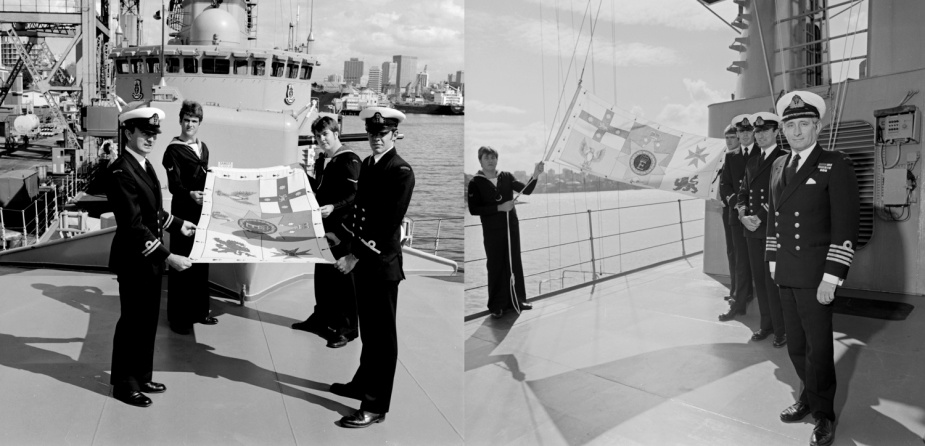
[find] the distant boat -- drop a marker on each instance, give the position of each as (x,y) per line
(429,108)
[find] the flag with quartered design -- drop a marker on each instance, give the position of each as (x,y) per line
(602,140)
(267,215)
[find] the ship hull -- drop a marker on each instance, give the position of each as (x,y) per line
(430,109)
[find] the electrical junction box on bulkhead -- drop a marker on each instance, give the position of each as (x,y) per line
(895,192)
(898,124)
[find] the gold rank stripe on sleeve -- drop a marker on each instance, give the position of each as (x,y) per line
(840,254)
(167,222)
(150,246)
(771,244)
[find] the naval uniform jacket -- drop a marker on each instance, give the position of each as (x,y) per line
(756,189)
(185,172)
(374,222)
(730,181)
(338,186)
(813,220)
(140,219)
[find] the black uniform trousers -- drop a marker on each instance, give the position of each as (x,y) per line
(730,250)
(335,297)
(187,291)
(743,271)
(498,264)
(133,342)
(377,303)
(809,343)
(772,317)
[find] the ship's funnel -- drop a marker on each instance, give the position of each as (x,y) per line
(215,27)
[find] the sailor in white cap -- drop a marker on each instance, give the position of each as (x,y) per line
(730,183)
(373,230)
(138,254)
(812,233)
(752,209)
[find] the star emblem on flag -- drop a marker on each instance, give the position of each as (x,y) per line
(697,155)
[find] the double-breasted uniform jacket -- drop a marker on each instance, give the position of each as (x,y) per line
(813,220)
(756,189)
(185,172)
(140,218)
(730,181)
(337,185)
(374,222)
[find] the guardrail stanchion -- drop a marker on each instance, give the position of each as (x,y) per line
(591,239)
(25,240)
(45,201)
(2,229)
(437,238)
(36,221)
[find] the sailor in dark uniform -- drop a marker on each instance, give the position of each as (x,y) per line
(812,233)
(335,315)
(730,183)
(137,256)
(187,163)
(373,229)
(752,210)
(732,145)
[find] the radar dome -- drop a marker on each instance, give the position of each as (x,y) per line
(215,27)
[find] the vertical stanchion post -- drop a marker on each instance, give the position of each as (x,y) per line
(2,229)
(437,238)
(45,200)
(25,240)
(56,199)
(36,221)
(591,235)
(681,225)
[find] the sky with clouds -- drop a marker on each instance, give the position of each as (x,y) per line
(664,60)
(370,30)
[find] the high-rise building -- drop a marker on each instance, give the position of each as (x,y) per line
(375,79)
(459,77)
(389,71)
(353,71)
(334,78)
(422,82)
(405,71)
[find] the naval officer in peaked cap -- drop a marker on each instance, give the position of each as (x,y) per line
(372,233)
(732,145)
(812,233)
(138,255)
(730,183)
(752,210)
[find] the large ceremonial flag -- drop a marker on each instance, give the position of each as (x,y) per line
(602,140)
(259,216)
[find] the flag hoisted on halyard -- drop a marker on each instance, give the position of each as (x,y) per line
(604,141)
(265,215)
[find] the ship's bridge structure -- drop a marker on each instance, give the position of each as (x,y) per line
(860,57)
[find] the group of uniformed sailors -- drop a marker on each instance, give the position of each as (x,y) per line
(363,204)
(791,222)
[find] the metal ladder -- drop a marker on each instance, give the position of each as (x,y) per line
(26,58)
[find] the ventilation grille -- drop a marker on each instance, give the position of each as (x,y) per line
(856,139)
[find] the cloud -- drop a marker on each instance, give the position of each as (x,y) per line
(474,105)
(519,146)
(693,116)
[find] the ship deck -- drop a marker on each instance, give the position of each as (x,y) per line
(250,380)
(641,359)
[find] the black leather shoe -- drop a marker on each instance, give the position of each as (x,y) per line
(823,433)
(130,397)
(362,418)
(313,325)
(761,334)
(348,390)
(779,341)
(342,338)
(794,413)
(728,316)
(208,320)
(181,329)
(153,387)
(524,305)
(497,314)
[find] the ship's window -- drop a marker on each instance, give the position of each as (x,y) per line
(153,65)
(293,71)
(259,68)
(190,65)
(212,65)
(123,67)
(306,72)
(278,69)
(138,66)
(240,67)
(173,64)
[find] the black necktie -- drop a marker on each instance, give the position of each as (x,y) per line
(745,151)
(150,170)
(791,168)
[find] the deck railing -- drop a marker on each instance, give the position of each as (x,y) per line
(432,242)
(592,270)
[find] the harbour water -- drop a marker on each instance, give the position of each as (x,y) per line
(433,145)
(631,229)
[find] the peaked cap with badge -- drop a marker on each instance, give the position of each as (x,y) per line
(765,120)
(743,122)
(730,130)
(800,104)
(146,119)
(381,118)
